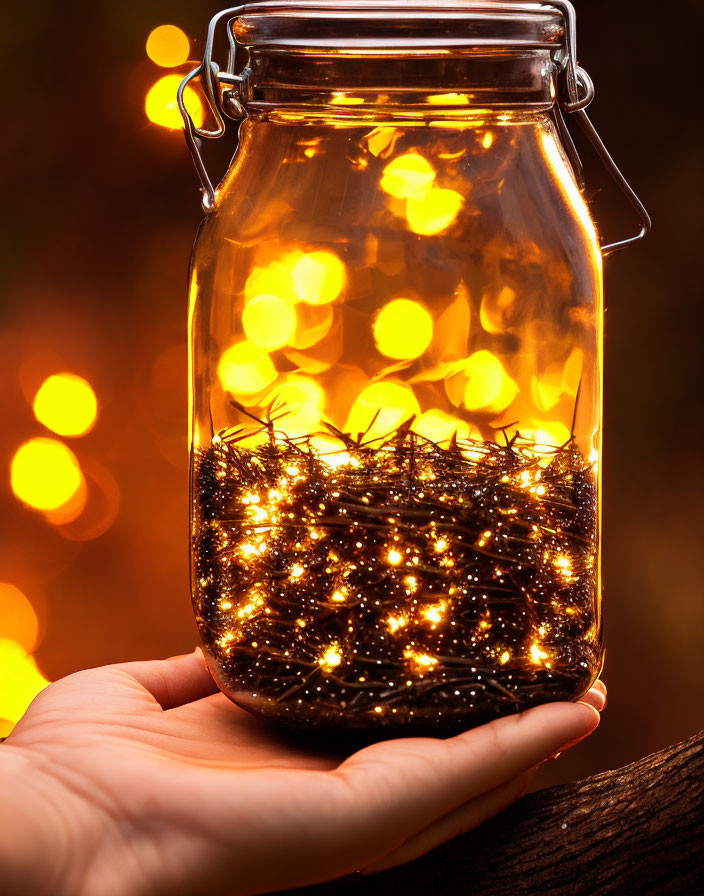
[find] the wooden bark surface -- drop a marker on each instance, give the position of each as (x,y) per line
(635,831)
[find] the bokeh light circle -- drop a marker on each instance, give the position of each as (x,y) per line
(319,278)
(269,321)
(168,46)
(162,108)
(66,404)
(18,619)
(403,329)
(20,680)
(45,474)
(246,369)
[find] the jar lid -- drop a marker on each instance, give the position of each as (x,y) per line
(387,27)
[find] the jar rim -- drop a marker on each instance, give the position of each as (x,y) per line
(392,27)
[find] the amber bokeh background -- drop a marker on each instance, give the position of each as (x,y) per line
(101,209)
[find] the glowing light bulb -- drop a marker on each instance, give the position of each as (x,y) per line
(435,613)
(408,177)
(245,369)
(66,404)
(269,322)
(394,623)
(394,557)
(168,46)
(331,658)
(403,329)
(434,212)
(505,657)
(490,388)
(537,654)
(45,474)
(423,661)
(319,278)
(487,140)
(161,106)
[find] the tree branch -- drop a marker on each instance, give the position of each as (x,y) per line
(635,830)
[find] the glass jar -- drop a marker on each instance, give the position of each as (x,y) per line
(396,370)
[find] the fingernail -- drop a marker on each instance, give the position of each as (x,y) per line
(596,698)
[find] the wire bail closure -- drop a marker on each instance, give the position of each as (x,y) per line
(575,93)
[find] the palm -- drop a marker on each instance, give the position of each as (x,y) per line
(178,790)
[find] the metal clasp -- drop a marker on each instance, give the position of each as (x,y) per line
(212,79)
(575,93)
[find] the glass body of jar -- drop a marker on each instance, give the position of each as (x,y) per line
(396,352)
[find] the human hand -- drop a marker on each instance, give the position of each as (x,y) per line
(139,779)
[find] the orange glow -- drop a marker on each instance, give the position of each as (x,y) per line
(495,310)
(391,403)
(300,400)
(313,323)
(66,404)
(331,658)
(319,278)
(448,99)
(269,321)
(490,388)
(72,509)
(422,661)
(20,680)
(572,194)
(161,106)
(408,177)
(537,654)
(275,279)
(18,621)
(45,474)
(331,451)
(487,140)
(434,212)
(94,507)
(168,46)
(381,140)
(246,369)
(572,374)
(439,427)
(403,329)
(435,613)
(547,388)
(552,434)
(344,99)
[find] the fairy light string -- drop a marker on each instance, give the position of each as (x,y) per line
(395,583)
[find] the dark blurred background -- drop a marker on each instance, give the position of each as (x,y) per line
(101,208)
